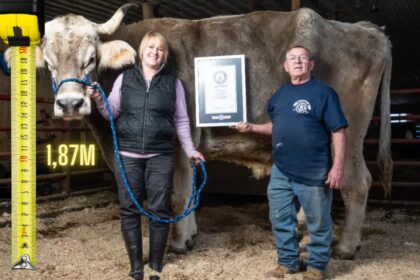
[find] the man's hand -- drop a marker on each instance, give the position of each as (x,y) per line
(336,177)
(245,127)
(242,127)
(197,156)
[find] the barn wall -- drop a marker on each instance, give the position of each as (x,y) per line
(43,91)
(44,117)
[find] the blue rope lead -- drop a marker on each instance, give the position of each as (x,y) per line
(195,194)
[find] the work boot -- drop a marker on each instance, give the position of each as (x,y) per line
(133,244)
(313,274)
(157,245)
(279,272)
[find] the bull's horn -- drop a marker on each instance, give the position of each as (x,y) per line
(114,22)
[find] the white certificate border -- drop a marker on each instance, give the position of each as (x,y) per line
(197,101)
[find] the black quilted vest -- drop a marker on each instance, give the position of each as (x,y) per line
(146,120)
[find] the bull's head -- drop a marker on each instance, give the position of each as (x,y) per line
(71,49)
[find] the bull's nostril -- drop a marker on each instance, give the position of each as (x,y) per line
(61,103)
(69,105)
(77,103)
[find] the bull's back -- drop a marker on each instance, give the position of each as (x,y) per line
(349,57)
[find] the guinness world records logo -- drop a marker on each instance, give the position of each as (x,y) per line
(220,77)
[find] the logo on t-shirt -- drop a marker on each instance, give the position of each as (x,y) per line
(302,106)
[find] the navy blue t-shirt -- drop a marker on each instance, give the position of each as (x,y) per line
(303,118)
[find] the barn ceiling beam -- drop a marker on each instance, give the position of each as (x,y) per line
(229,8)
(133,15)
(263,5)
(202,13)
(243,7)
(154,2)
(414,8)
(62,8)
(215,10)
(275,4)
(88,7)
(254,4)
(165,11)
(225,10)
(112,6)
(190,13)
(170,9)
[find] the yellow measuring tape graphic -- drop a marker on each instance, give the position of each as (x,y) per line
(23,71)
(19,29)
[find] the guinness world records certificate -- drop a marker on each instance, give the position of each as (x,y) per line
(220,90)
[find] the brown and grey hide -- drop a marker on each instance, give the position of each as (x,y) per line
(355,59)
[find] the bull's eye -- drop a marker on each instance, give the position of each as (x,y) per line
(90,62)
(50,67)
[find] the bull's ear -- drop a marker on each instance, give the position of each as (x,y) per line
(115,55)
(40,62)
(7,56)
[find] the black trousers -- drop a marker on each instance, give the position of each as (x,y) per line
(152,177)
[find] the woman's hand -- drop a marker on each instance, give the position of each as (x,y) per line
(197,156)
(93,93)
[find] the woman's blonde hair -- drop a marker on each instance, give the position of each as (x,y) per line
(154,35)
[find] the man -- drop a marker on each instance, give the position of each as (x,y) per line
(305,116)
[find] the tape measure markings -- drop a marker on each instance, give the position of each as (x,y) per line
(23,119)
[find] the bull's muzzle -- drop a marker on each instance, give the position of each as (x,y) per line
(69,105)
(71,102)
(72,107)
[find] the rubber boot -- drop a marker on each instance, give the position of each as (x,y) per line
(133,244)
(158,239)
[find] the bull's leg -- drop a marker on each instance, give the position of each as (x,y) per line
(184,231)
(301,217)
(301,226)
(354,194)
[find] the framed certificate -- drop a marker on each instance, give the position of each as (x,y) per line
(220,90)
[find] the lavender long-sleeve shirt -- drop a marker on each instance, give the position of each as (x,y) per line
(181,120)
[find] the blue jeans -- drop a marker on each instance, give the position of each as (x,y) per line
(285,198)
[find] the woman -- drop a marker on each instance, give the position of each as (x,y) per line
(149,107)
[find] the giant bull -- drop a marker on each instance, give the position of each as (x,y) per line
(352,58)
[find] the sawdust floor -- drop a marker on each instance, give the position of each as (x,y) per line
(79,238)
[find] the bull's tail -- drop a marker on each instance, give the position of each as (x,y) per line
(384,159)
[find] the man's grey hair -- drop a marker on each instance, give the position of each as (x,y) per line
(299,47)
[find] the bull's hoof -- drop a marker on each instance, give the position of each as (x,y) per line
(341,255)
